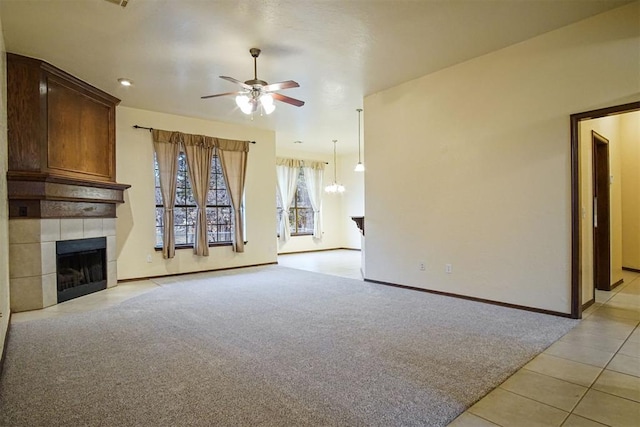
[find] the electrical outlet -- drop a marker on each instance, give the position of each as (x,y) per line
(421,266)
(149,259)
(448,268)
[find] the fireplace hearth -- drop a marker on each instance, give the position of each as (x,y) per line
(81,267)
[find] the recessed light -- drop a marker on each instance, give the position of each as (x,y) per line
(125,82)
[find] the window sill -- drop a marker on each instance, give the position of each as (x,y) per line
(297,235)
(211,245)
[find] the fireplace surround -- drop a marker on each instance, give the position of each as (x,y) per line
(32,256)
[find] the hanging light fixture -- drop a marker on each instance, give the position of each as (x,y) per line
(250,102)
(245,104)
(334,187)
(360,166)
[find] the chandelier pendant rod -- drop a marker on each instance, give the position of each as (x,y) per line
(359,110)
(335,163)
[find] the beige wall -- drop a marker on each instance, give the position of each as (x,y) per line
(136,218)
(4,223)
(630,138)
(608,127)
(470,166)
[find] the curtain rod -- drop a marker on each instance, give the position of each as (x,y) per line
(150,129)
(303,160)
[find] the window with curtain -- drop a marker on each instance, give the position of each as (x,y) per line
(220,227)
(301,212)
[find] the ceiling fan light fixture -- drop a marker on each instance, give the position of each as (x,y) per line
(256,94)
(244,103)
(267,103)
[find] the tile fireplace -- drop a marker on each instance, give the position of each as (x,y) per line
(33,256)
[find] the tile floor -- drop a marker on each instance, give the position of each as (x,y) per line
(339,262)
(590,377)
(96,301)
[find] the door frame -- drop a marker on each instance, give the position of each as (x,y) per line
(601,226)
(576,238)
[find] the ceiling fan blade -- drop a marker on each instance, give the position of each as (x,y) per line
(287,99)
(279,86)
(221,94)
(232,80)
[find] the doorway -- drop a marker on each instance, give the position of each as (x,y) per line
(577,204)
(601,213)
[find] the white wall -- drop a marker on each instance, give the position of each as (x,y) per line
(470,166)
(608,127)
(352,200)
(630,138)
(136,218)
(4,215)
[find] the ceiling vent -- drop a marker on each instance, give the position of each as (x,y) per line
(122,3)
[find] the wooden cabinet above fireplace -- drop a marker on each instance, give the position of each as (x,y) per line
(61,144)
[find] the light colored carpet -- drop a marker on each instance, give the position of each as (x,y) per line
(267,346)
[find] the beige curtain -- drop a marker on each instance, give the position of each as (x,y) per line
(313,175)
(199,151)
(287,181)
(167,147)
(233,159)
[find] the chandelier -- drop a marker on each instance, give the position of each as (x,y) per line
(334,187)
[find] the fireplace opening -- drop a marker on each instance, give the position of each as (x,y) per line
(81,267)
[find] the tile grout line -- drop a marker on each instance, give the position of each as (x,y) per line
(588,364)
(543,403)
(537,401)
(566,418)
(556,378)
(486,419)
(588,419)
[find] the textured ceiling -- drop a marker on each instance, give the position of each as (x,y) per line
(338,50)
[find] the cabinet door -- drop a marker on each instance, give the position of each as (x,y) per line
(80,140)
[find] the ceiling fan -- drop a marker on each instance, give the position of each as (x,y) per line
(256,92)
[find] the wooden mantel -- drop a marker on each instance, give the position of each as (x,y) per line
(40,195)
(359,220)
(61,144)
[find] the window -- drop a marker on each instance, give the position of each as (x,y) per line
(220,226)
(301,212)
